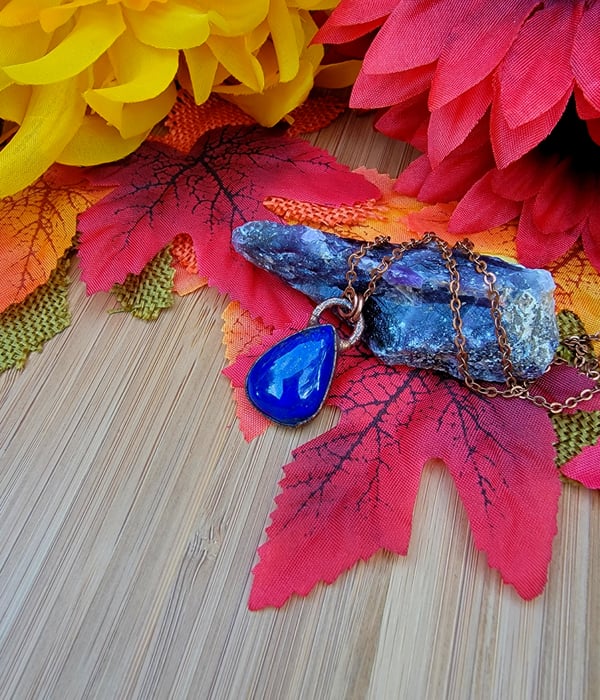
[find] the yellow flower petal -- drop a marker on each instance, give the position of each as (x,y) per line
(268,61)
(134,117)
(257,53)
(338,75)
(235,17)
(109,110)
(283,35)
(96,142)
(22,44)
(13,102)
(314,54)
(53,17)
(141,116)
(53,116)
(138,4)
(19,12)
(233,53)
(19,46)
(257,37)
(202,68)
(314,4)
(270,107)
(96,29)
(170,26)
(142,71)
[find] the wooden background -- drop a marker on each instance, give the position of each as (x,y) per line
(131,509)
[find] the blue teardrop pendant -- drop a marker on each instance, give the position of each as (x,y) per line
(290,381)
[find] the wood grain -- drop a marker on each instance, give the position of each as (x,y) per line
(131,510)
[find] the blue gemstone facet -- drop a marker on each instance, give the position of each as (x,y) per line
(290,381)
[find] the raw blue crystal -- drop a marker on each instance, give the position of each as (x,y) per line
(408,319)
(290,381)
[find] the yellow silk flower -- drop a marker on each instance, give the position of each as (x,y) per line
(84,81)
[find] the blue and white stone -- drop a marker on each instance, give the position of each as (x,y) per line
(408,319)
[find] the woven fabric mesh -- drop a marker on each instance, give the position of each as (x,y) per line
(147,294)
(44,313)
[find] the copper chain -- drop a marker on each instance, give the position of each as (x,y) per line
(580,345)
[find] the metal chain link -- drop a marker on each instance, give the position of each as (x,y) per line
(581,345)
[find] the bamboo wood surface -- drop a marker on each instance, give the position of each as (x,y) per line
(131,509)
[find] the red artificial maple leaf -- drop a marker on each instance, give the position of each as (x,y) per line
(223,181)
(351,491)
(584,467)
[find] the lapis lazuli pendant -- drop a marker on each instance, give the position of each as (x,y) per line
(290,381)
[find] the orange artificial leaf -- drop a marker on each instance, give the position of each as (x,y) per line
(241,332)
(183,260)
(317,112)
(361,221)
(37,226)
(401,217)
(187,121)
(433,217)
(186,282)
(578,287)
(398,216)
(499,240)
(324,217)
(389,216)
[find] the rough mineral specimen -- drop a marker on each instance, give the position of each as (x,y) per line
(408,319)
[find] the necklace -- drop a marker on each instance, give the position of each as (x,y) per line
(290,382)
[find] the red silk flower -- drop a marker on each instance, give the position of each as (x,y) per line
(552,189)
(504,99)
(522,60)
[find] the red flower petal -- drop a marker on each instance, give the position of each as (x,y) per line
(585,110)
(481,208)
(476,47)
(450,125)
(461,169)
(407,122)
(332,34)
(411,179)
(537,249)
(454,176)
(591,237)
(352,19)
(510,144)
(371,91)
(523,178)
(414,34)
(563,201)
(536,73)
(593,127)
(586,54)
